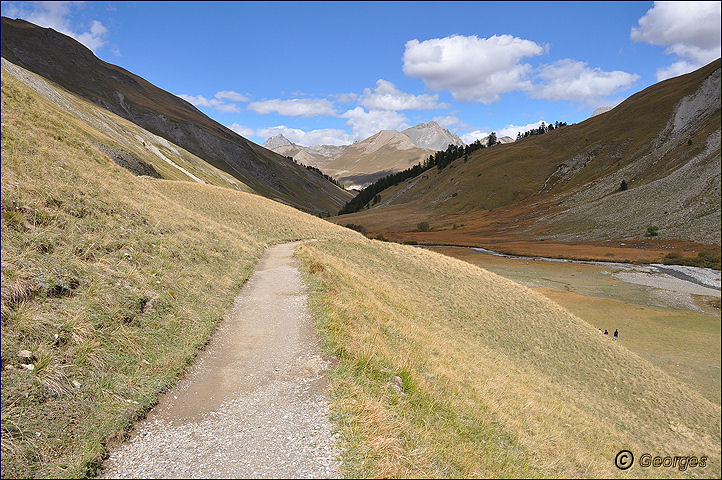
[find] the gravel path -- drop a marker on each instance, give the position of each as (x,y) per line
(253,404)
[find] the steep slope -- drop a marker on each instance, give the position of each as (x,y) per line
(664,142)
(432,136)
(112,282)
(365,161)
(69,64)
(132,147)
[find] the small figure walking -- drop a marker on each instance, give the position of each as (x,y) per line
(606,332)
(616,334)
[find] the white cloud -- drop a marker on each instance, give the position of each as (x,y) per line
(201,101)
(689,30)
(508,131)
(471,68)
(325,136)
(676,69)
(512,130)
(471,137)
(232,96)
(303,107)
(387,97)
(447,121)
(242,130)
(56,15)
(572,80)
(365,124)
(344,98)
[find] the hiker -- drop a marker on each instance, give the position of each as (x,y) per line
(606,332)
(600,331)
(616,334)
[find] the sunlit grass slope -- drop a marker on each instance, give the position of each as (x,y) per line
(498,380)
(120,139)
(112,282)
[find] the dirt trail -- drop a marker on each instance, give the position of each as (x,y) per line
(253,404)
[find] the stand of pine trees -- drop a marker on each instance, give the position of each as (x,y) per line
(440,160)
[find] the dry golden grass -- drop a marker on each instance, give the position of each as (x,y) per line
(499,380)
(131,276)
(112,281)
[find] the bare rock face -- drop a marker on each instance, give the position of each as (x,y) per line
(601,110)
(277,141)
(432,136)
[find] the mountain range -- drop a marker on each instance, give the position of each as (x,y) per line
(646,171)
(359,164)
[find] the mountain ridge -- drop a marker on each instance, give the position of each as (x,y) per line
(358,164)
(71,65)
(566,185)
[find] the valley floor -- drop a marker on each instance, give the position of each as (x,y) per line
(512,229)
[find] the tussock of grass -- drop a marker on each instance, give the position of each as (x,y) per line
(498,380)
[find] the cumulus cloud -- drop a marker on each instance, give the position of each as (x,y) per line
(676,69)
(689,30)
(232,96)
(365,124)
(471,137)
(56,15)
(471,68)
(447,121)
(512,130)
(573,80)
(387,97)
(201,101)
(242,130)
(324,136)
(296,107)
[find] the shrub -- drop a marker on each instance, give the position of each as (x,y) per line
(705,259)
(652,231)
(623,186)
(358,228)
(423,226)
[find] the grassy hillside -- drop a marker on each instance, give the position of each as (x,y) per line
(497,379)
(368,160)
(127,144)
(113,281)
(565,184)
(68,63)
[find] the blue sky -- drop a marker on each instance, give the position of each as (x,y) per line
(324,72)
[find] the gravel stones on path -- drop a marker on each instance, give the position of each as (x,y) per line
(253,405)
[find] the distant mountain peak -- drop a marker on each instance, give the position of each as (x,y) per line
(277,141)
(432,136)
